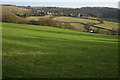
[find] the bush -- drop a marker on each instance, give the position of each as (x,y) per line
(33,22)
(118,31)
(88,25)
(52,23)
(47,22)
(100,20)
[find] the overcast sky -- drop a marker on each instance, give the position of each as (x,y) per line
(65,3)
(60,0)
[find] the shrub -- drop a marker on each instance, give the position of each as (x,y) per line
(118,31)
(52,23)
(100,20)
(33,22)
(47,22)
(88,25)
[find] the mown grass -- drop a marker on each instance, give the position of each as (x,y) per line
(44,52)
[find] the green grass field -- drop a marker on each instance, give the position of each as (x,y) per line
(71,19)
(36,18)
(92,17)
(31,51)
(80,27)
(109,25)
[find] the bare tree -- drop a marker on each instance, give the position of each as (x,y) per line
(88,25)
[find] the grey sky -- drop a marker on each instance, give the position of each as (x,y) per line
(59,0)
(65,3)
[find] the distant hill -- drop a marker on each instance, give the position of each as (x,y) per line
(106,13)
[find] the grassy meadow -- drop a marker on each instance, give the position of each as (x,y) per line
(109,25)
(31,51)
(71,19)
(78,26)
(36,18)
(14,9)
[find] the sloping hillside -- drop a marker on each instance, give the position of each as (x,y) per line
(31,51)
(105,25)
(105,13)
(77,21)
(71,19)
(109,25)
(14,9)
(36,18)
